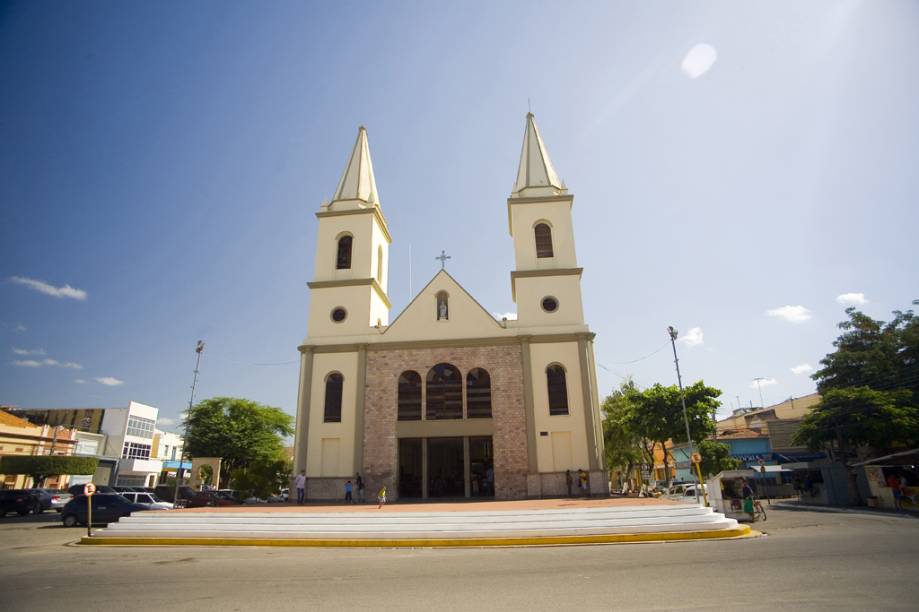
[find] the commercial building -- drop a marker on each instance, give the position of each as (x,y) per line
(20,437)
(122,438)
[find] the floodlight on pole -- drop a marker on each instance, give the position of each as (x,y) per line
(758,380)
(199,348)
(673,336)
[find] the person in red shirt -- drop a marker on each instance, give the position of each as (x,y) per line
(894,483)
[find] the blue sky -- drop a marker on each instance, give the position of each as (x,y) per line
(164,161)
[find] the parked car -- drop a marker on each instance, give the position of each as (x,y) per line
(44,500)
(148,499)
(107,508)
(686,492)
(20,501)
(77,489)
(59,498)
(167,493)
(202,499)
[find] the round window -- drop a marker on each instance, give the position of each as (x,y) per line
(339,314)
(549,304)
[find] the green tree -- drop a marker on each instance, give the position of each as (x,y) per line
(656,414)
(622,446)
(716,457)
(262,478)
(239,431)
(40,467)
(872,353)
(859,416)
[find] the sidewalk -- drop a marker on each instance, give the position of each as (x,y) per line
(863,510)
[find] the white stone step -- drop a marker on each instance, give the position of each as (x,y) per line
(422,525)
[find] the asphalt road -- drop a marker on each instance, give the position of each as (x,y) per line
(808,561)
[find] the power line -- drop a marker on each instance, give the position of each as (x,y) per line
(656,351)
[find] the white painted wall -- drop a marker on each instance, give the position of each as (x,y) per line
(566,354)
(323,365)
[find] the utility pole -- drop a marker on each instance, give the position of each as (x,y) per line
(758,380)
(191,400)
(676,361)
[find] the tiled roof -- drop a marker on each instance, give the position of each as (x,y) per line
(14,421)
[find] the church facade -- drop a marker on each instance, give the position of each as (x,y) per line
(446,401)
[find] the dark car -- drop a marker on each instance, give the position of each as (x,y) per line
(77,489)
(20,501)
(107,508)
(167,493)
(44,500)
(212,498)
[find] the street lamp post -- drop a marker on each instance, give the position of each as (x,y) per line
(759,387)
(679,379)
(198,349)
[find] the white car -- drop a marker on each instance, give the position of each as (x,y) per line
(686,492)
(148,500)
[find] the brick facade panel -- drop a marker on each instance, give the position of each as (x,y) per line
(504,365)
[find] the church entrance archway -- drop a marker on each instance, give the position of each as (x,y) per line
(446,467)
(410,468)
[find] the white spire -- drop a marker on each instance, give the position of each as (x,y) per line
(357,182)
(535,171)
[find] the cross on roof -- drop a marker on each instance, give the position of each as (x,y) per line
(443,259)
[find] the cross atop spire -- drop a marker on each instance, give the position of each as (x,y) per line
(443,257)
(535,171)
(357,182)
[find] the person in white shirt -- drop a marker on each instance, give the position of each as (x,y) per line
(300,485)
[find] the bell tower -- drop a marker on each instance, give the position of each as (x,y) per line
(546,284)
(351,273)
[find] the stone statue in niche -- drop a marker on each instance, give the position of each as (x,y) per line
(441,306)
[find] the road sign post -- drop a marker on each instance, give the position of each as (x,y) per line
(89,489)
(697,459)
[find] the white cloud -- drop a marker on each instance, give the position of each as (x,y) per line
(804,368)
(109,381)
(852,299)
(32,363)
(699,60)
(763,382)
(79,381)
(510,316)
(165,421)
(693,337)
(42,287)
(27,363)
(20,327)
(20,351)
(794,314)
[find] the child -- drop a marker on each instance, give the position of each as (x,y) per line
(349,488)
(381,497)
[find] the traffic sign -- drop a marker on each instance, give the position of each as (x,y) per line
(89,489)
(696,458)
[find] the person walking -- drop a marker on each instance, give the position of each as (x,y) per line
(746,492)
(349,490)
(894,483)
(360,488)
(568,480)
(582,478)
(381,497)
(300,485)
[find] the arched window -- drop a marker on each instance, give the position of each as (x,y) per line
(410,396)
(478,394)
(334,383)
(444,393)
(558,389)
(343,259)
(380,264)
(543,240)
(443,306)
